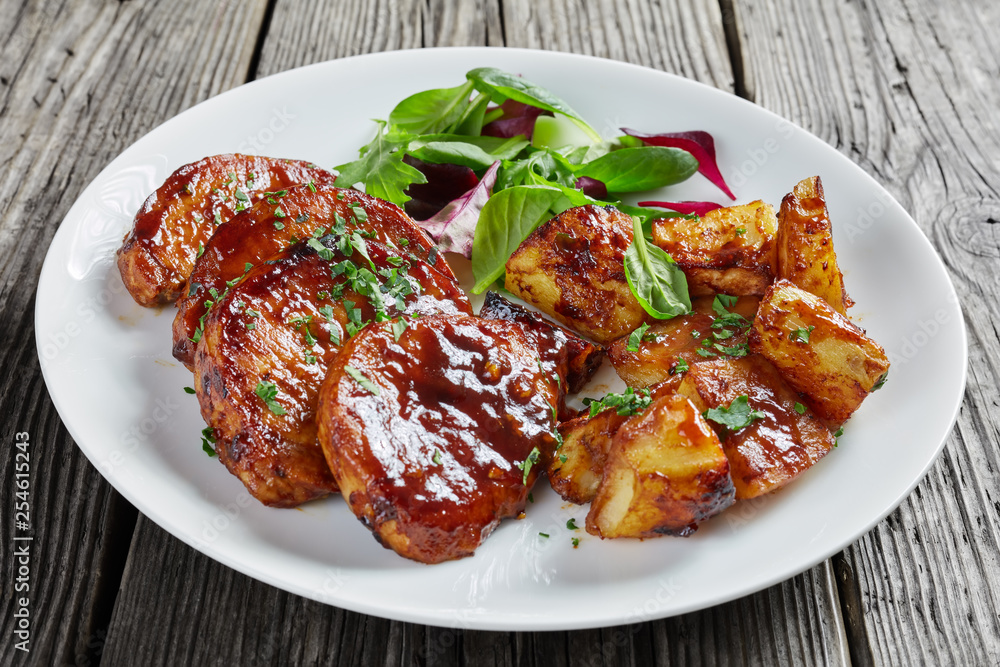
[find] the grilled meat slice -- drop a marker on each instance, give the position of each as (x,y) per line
(273,224)
(428,435)
(159,251)
(268,342)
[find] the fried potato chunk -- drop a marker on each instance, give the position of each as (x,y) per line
(726,251)
(818,351)
(572,268)
(267,345)
(160,250)
(669,346)
(779,443)
(582,358)
(666,473)
(805,245)
(437,434)
(275,223)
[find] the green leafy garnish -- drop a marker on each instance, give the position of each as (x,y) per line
(188,390)
(437,457)
(654,278)
(801,409)
(527,463)
(738,415)
(636,337)
(881,381)
(268,392)
(680,367)
(628,403)
(505,221)
(801,334)
(207,440)
(381,168)
(643,168)
(571,524)
(398,327)
(359,377)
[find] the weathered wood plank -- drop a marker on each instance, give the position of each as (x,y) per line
(907,89)
(796,622)
(685,38)
(78,83)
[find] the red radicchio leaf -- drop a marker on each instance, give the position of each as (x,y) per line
(698,143)
(592,187)
(454,227)
(685,207)
(445,183)
(518,118)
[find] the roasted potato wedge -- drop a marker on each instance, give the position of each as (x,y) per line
(666,473)
(670,345)
(818,351)
(780,443)
(572,268)
(805,245)
(726,251)
(575,470)
(582,358)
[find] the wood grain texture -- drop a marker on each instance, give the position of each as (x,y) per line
(685,38)
(907,89)
(302,33)
(241,620)
(78,83)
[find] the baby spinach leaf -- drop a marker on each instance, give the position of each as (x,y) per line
(431,111)
(506,220)
(477,154)
(637,169)
(505,86)
(655,279)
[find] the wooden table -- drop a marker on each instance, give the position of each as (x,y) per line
(908,89)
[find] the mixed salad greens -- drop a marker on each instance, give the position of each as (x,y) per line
(481,165)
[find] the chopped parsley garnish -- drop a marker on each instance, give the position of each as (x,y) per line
(188,390)
(201,249)
(705,353)
(801,409)
(365,383)
(526,464)
(207,440)
(635,338)
(327,312)
(738,415)
(312,186)
(242,196)
(576,542)
(740,231)
(398,327)
(544,534)
(571,524)
(628,403)
(437,457)
(680,367)
(836,436)
(321,250)
(278,225)
(740,350)
(801,335)
(267,392)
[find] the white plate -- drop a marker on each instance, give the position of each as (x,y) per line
(108,366)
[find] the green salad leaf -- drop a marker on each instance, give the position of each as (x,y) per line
(655,279)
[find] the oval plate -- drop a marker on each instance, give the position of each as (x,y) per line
(108,368)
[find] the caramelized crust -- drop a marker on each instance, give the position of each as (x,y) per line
(665,474)
(805,245)
(573,268)
(158,253)
(276,326)
(668,342)
(726,251)
(575,359)
(428,449)
(273,224)
(773,450)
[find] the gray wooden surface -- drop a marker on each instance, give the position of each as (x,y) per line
(907,89)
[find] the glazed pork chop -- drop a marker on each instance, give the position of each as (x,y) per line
(159,251)
(267,344)
(436,432)
(276,222)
